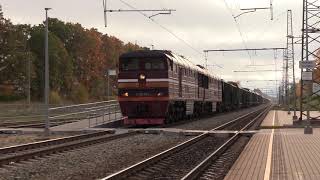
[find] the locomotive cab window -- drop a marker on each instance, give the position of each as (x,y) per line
(145,64)
(154,64)
(129,64)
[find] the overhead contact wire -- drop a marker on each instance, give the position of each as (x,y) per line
(168,30)
(238,27)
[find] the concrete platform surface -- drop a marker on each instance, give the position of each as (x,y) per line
(279,155)
(283,119)
(278,118)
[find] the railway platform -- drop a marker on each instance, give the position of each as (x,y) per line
(279,152)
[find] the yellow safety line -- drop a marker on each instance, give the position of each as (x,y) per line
(269,158)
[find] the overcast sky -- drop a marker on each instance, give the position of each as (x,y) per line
(202,24)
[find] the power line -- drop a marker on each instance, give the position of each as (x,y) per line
(238,28)
(168,30)
(250,10)
(257,71)
(165,28)
(246,49)
(155,12)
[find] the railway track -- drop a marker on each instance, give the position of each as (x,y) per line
(178,161)
(35,124)
(16,154)
(217,164)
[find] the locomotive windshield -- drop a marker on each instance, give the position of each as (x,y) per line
(142,64)
(154,65)
(129,64)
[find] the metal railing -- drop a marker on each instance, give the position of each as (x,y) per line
(23,114)
(96,113)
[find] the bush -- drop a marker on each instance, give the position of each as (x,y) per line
(80,94)
(98,89)
(10,98)
(55,98)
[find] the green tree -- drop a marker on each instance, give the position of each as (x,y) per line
(61,68)
(14,54)
(113,48)
(79,57)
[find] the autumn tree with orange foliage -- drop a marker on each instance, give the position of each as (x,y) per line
(79,58)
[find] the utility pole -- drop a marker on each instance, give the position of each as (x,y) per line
(47,87)
(29,79)
(285,80)
(279,95)
(310,44)
(108,85)
(291,61)
(28,72)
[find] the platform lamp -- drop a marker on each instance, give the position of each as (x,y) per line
(47,87)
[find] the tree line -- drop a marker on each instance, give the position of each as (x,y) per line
(79,59)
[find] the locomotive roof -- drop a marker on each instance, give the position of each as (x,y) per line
(144,54)
(166,54)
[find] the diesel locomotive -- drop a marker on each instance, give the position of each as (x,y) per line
(157,87)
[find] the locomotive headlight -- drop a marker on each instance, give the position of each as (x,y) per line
(125,94)
(142,77)
(160,94)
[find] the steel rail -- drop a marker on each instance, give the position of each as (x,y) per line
(194,173)
(223,126)
(16,154)
(16,148)
(143,164)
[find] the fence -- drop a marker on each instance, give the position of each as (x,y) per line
(96,113)
(25,114)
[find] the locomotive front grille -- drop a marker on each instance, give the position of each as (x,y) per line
(142,109)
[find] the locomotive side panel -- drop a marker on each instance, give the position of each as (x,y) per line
(157,87)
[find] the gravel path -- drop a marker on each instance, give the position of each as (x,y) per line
(95,161)
(212,122)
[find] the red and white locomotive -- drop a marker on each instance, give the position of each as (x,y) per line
(158,87)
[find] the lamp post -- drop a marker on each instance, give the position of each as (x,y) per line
(29,76)
(47,87)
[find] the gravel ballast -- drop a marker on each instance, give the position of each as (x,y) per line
(215,121)
(95,161)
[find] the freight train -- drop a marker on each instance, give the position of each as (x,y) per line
(158,87)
